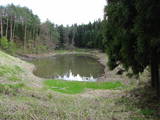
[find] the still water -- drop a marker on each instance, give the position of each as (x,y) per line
(68,67)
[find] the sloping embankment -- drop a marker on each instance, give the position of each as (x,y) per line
(9,67)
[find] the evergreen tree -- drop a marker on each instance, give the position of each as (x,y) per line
(61,36)
(132,36)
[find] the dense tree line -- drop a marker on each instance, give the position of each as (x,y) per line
(82,36)
(18,22)
(20,25)
(89,36)
(132,36)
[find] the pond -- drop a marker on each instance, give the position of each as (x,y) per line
(69,67)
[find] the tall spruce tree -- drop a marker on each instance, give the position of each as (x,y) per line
(132,36)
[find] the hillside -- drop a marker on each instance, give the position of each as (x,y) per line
(23,97)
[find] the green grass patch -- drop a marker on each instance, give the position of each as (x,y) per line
(74,87)
(10,72)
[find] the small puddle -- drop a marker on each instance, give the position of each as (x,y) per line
(69,67)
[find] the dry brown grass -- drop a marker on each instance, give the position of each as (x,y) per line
(32,102)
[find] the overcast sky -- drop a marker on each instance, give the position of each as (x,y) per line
(63,11)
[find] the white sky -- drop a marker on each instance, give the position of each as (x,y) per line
(63,11)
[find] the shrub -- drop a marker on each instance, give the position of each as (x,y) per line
(12,47)
(4,43)
(9,46)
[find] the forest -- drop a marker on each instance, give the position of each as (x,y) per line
(107,69)
(18,25)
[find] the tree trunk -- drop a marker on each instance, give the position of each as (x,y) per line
(155,73)
(1,27)
(14,28)
(34,37)
(36,40)
(7,29)
(73,39)
(153,83)
(25,36)
(11,29)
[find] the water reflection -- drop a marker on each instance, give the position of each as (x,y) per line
(71,77)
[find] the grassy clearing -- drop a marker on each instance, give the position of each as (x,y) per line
(74,87)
